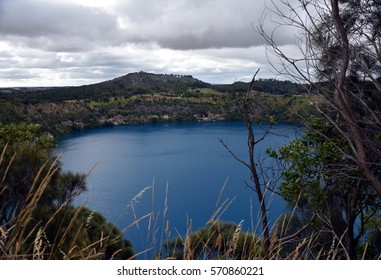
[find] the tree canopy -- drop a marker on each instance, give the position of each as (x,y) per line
(37,218)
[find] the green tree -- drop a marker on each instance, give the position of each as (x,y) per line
(37,219)
(327,190)
(221,240)
(23,155)
(340,59)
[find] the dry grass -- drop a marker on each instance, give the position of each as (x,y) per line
(18,243)
(24,237)
(27,239)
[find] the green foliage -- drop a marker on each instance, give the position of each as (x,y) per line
(88,233)
(24,154)
(36,215)
(221,240)
(269,86)
(325,187)
(310,165)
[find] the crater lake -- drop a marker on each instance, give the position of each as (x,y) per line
(156,181)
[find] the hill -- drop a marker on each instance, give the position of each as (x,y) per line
(268,86)
(145,98)
(128,85)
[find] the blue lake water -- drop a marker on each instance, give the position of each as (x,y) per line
(175,172)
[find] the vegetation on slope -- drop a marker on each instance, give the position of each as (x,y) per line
(37,218)
(146,98)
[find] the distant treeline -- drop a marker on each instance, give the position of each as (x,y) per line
(146,98)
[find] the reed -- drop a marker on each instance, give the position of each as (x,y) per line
(25,236)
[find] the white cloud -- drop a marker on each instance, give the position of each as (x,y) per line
(72,42)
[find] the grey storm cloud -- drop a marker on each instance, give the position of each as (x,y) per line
(55,26)
(188,24)
(197,24)
(181,24)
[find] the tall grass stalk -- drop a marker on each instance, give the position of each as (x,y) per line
(24,237)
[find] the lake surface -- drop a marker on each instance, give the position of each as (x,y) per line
(175,172)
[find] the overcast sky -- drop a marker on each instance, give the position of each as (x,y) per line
(76,42)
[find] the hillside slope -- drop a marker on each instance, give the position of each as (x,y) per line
(146,98)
